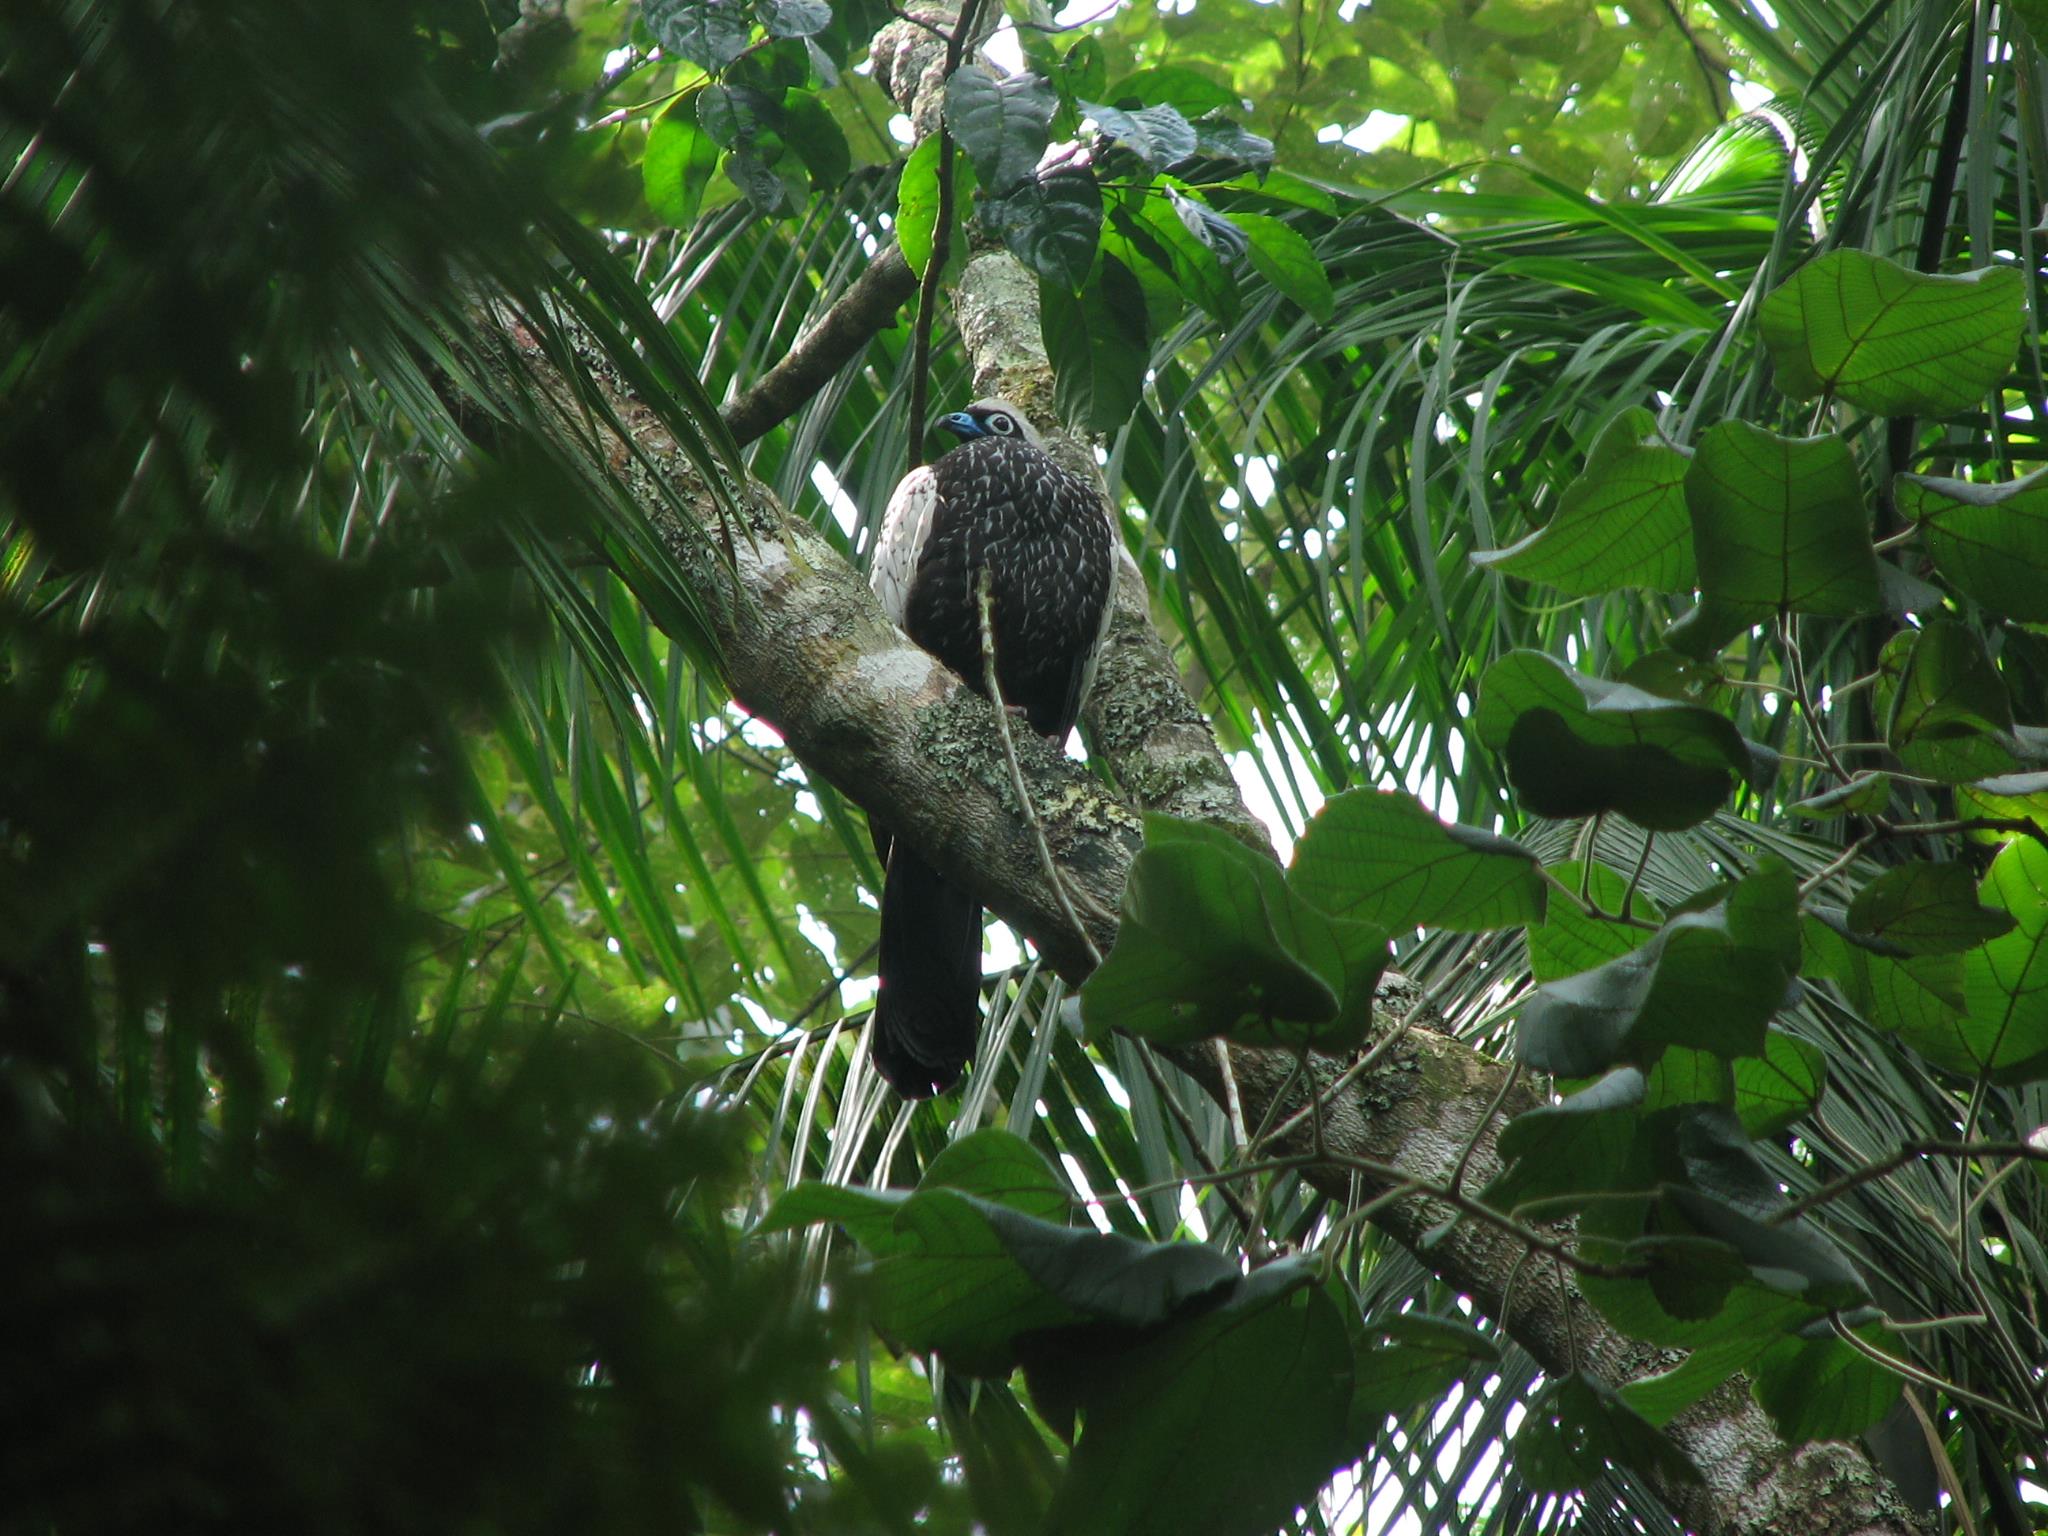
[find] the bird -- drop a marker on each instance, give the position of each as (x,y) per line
(996,501)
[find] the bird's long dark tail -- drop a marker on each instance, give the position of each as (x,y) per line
(929,1007)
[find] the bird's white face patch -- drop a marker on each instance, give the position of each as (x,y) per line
(1000,418)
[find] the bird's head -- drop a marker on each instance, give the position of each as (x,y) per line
(991,418)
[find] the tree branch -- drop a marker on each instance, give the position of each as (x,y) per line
(868,306)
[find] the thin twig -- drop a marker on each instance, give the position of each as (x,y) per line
(1628,896)
(1797,667)
(942,245)
(985,600)
(2024,1151)
(1507,1087)
(1233,1102)
(1834,867)
(1211,1175)
(1926,1378)
(1373,1057)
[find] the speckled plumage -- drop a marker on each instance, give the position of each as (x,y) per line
(998,501)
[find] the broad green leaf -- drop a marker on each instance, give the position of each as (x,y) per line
(1111,1279)
(708,32)
(949,1284)
(1892,341)
(1709,979)
(1175,86)
(1153,227)
(1224,151)
(1382,856)
(1780,1088)
(1578,746)
(1589,1143)
(1951,718)
(1867,794)
(1287,261)
(1409,1362)
(678,165)
(1252,1392)
(1621,523)
(2014,797)
(809,129)
(1568,940)
(1051,224)
(917,204)
(1098,346)
(734,115)
(1084,68)
(1919,996)
(1001,124)
(1990,540)
(868,1214)
(1214,942)
(1730,1196)
(1821,1389)
(1926,909)
(1750,1316)
(767,183)
(1779,523)
(2005,981)
(797,18)
(998,1166)
(1683,1075)
(1577,1427)
(1157,135)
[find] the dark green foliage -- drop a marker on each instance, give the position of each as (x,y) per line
(293,1241)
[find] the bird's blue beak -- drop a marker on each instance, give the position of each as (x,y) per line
(961,425)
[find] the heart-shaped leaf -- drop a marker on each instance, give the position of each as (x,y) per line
(1381,856)
(2005,981)
(1214,942)
(1926,909)
(1579,746)
(1892,341)
(1990,540)
(1710,979)
(1253,1391)
(1622,523)
(1779,524)
(1951,718)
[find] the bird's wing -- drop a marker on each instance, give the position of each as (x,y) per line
(905,526)
(1085,676)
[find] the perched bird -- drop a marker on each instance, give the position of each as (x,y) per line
(997,502)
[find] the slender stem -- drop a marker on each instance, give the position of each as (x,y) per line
(1211,1175)
(942,246)
(1835,1188)
(1912,1372)
(1507,1086)
(1053,875)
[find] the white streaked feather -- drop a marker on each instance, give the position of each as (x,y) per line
(905,526)
(1117,555)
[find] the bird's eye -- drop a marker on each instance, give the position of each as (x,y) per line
(1002,424)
